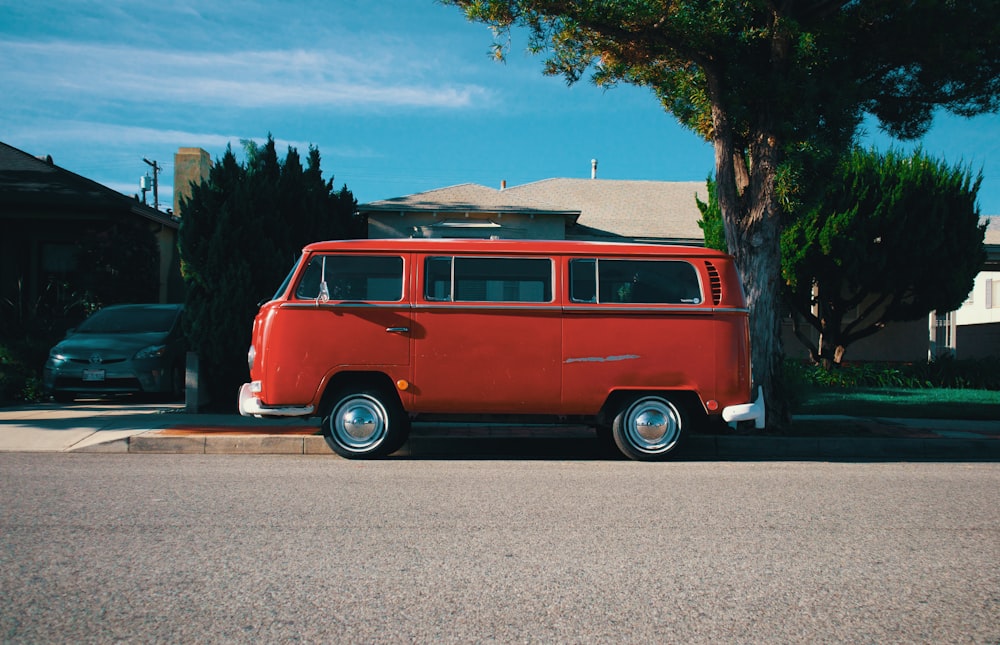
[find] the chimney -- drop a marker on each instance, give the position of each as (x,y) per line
(190,165)
(503,184)
(593,168)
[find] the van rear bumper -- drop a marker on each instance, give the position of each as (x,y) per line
(746,412)
(250,406)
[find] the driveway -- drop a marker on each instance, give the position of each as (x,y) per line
(46,427)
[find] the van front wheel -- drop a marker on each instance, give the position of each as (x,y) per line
(366,424)
(648,428)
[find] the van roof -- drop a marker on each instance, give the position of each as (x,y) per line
(559,247)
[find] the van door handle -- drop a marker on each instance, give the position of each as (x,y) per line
(396,330)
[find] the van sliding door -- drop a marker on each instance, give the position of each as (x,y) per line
(490,336)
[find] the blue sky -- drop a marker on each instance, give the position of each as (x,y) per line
(400,96)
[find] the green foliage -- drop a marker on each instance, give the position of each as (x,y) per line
(20,375)
(889,239)
(943,373)
(240,232)
(711,219)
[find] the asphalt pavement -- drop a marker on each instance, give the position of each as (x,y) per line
(111,426)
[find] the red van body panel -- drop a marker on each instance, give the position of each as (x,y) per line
(557,354)
(318,342)
(490,361)
(608,352)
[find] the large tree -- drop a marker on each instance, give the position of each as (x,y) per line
(891,238)
(240,231)
(887,238)
(767,80)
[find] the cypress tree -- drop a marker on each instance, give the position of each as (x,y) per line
(240,232)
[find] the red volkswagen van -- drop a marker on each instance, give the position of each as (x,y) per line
(641,340)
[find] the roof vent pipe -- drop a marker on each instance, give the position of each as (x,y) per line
(593,168)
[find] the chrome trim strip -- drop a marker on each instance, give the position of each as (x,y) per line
(345,305)
(663,309)
(482,306)
(504,306)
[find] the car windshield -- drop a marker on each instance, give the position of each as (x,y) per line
(130,320)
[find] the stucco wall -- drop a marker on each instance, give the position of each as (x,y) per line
(974,311)
(898,342)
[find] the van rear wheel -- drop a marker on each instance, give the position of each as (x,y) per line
(649,427)
(366,424)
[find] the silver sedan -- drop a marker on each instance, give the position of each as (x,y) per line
(121,349)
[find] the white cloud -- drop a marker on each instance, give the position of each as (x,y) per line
(61,70)
(132,138)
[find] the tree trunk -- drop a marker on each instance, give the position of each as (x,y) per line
(752,219)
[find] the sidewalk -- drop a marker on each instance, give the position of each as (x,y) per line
(167,429)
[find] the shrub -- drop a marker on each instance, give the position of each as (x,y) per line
(949,373)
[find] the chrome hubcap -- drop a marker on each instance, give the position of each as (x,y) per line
(359,423)
(653,425)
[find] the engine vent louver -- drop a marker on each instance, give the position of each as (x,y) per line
(715,282)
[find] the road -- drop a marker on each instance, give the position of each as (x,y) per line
(226,548)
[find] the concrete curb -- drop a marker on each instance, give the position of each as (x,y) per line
(570,445)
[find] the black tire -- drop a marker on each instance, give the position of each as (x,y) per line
(366,424)
(649,427)
(606,441)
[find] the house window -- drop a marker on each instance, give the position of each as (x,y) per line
(59,259)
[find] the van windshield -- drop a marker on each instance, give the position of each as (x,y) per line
(288,278)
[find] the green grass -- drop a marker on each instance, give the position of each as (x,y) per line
(932,403)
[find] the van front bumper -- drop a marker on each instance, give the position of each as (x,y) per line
(733,414)
(250,406)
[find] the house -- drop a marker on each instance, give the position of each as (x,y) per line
(46,210)
(602,209)
(556,209)
(974,329)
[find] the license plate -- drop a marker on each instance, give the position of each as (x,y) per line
(93,375)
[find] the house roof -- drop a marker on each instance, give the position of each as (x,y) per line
(598,208)
(639,210)
(992,229)
(992,242)
(465,198)
(32,186)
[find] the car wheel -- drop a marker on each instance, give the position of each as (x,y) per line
(366,424)
(648,428)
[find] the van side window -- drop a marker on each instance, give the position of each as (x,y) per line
(488,279)
(437,279)
(583,280)
(634,282)
(357,278)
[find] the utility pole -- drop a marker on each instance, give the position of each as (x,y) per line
(156,182)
